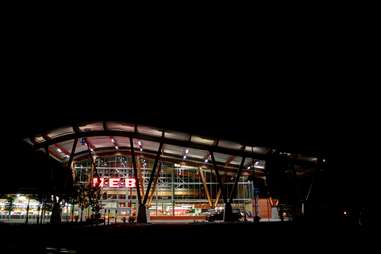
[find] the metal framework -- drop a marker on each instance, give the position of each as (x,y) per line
(221,158)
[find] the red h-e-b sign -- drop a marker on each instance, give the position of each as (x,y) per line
(115,182)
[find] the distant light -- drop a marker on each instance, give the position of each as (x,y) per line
(187,151)
(113,140)
(345,212)
(139,143)
(323,160)
(141,149)
(67,156)
(91,149)
(18,195)
(116,147)
(59,150)
(248,167)
(184,157)
(206,160)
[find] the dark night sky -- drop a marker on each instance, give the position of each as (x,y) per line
(301,91)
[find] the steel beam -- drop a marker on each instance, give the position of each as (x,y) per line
(154,139)
(140,176)
(72,152)
(205,187)
(217,197)
(152,173)
(232,193)
(167,141)
(165,156)
(219,180)
(135,171)
(154,185)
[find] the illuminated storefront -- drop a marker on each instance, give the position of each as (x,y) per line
(166,173)
(179,189)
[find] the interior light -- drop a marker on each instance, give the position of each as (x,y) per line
(59,150)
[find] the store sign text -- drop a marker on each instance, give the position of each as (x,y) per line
(115,182)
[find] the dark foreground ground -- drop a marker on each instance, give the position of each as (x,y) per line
(188,238)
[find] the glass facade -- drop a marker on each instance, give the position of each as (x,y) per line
(177,189)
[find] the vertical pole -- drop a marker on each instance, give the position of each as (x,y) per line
(173,192)
(130,203)
(156,202)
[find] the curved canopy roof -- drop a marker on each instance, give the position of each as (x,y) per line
(108,137)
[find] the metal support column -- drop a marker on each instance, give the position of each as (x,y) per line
(154,186)
(205,187)
(173,192)
(152,173)
(227,206)
(233,191)
(141,212)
